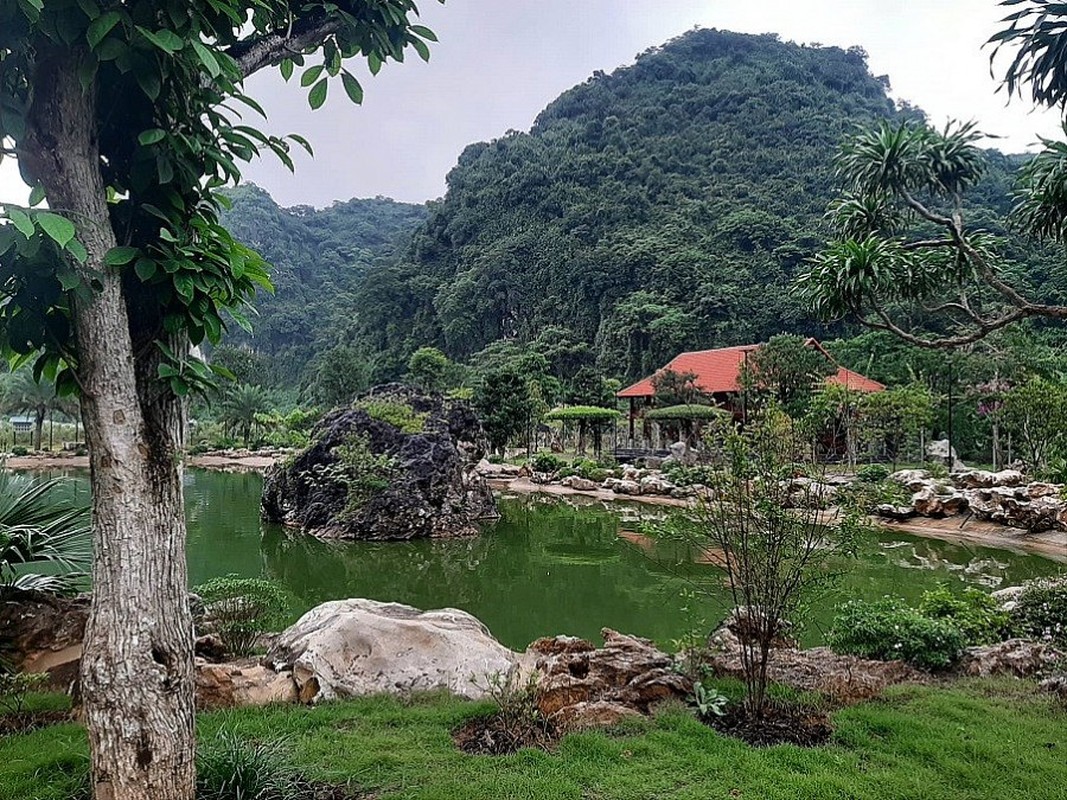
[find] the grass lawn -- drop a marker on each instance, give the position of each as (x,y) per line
(978,739)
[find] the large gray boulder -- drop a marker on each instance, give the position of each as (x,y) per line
(349,648)
(398,464)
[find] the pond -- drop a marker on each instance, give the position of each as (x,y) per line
(547,566)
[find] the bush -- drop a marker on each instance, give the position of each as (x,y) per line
(864,496)
(590,470)
(230,768)
(399,415)
(889,629)
(1041,612)
(242,609)
(363,472)
(547,462)
(681,475)
(872,473)
(15,686)
(976,613)
(19,450)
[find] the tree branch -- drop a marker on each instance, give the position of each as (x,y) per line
(256,53)
(985,327)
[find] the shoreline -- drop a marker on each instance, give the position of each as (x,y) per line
(968,531)
(219,461)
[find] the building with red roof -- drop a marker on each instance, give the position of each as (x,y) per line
(718,376)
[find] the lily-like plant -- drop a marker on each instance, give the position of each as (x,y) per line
(41,527)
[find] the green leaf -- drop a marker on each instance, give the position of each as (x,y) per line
(101,27)
(149,82)
(421,49)
(311,74)
(424,32)
(317,95)
(374,62)
(167,41)
(286,68)
(77,249)
(21,220)
(37,195)
(68,279)
(145,268)
(117,256)
(151,136)
(207,58)
(300,140)
(60,229)
(352,87)
(184,285)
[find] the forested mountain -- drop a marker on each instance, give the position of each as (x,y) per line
(318,258)
(665,206)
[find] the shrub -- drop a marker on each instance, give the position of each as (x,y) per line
(976,613)
(872,473)
(19,450)
(889,629)
(15,686)
(230,768)
(494,458)
(865,496)
(589,469)
(681,475)
(399,415)
(242,609)
(547,462)
(1041,611)
(363,472)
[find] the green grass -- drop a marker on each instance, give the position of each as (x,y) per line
(976,740)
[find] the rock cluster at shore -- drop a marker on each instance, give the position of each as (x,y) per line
(1000,497)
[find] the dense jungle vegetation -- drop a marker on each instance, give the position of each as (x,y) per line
(663,207)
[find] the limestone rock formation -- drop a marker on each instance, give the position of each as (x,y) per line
(239,684)
(348,648)
(398,464)
(583,685)
(41,632)
(1018,658)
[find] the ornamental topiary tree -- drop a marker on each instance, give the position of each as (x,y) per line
(124,116)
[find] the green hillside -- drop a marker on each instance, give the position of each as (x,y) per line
(665,206)
(318,258)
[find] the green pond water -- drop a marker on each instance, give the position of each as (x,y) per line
(547,567)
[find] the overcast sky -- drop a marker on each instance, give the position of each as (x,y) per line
(499,62)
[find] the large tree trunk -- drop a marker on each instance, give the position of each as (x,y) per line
(137,670)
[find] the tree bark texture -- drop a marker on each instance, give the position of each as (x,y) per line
(137,668)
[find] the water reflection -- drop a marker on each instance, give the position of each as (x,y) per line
(546,567)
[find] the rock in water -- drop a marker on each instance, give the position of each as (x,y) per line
(349,648)
(398,464)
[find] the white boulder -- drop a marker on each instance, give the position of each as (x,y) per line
(349,648)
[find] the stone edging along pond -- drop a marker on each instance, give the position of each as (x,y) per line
(948,509)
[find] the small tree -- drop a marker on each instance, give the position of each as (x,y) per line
(776,544)
(1035,413)
(429,368)
(675,388)
(24,394)
(338,375)
(786,369)
(502,398)
(240,407)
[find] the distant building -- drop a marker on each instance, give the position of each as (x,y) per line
(22,424)
(718,379)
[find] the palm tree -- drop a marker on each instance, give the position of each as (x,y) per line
(41,524)
(24,395)
(240,407)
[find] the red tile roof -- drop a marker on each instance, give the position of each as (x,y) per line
(719,371)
